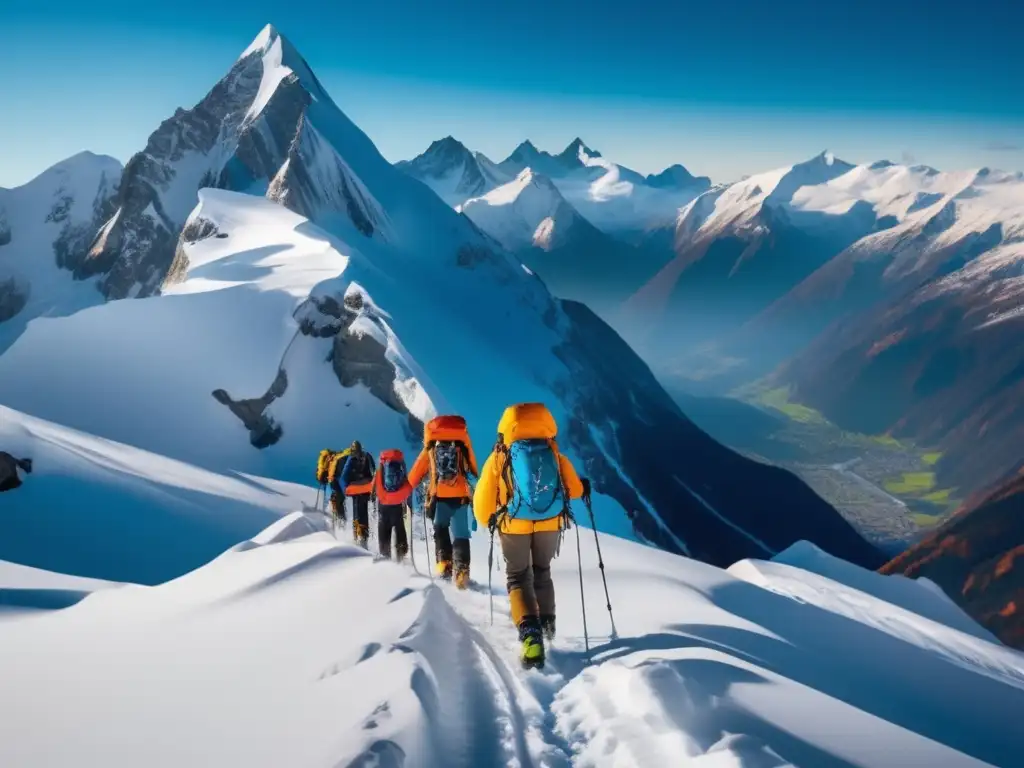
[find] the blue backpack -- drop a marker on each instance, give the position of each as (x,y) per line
(535,479)
(394,474)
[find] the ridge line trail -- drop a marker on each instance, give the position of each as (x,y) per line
(529,727)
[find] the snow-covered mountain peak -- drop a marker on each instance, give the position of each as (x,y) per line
(529,210)
(576,153)
(524,152)
(42,223)
(675,175)
(453,172)
(528,177)
(83,166)
(267,128)
(262,42)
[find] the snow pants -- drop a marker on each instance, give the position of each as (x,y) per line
(361,517)
(528,556)
(451,522)
(391,520)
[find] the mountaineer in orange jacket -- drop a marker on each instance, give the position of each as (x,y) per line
(447,457)
(523,495)
(392,489)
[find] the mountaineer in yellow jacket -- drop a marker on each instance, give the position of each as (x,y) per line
(447,456)
(523,494)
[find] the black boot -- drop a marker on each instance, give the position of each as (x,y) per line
(547,625)
(443,552)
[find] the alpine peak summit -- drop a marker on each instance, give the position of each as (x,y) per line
(453,172)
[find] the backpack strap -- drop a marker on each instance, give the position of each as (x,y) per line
(566,515)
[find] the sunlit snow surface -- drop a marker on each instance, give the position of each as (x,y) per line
(294,648)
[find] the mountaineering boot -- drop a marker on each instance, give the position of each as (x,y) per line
(461,557)
(360,534)
(532,655)
(400,553)
(444,569)
(338,508)
(547,625)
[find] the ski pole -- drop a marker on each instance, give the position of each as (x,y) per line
(426,545)
(600,564)
(412,549)
(317,503)
(583,602)
(490,569)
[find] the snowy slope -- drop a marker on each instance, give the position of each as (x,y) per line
(26,589)
(233,325)
(255,659)
(527,211)
(96,508)
(530,217)
(376,307)
(41,223)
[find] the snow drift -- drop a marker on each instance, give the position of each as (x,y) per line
(96,508)
(292,648)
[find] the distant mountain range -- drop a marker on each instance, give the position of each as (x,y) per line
(888,297)
(590,228)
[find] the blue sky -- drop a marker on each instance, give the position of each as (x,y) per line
(726,88)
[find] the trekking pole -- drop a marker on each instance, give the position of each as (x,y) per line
(600,564)
(317,503)
(426,545)
(412,548)
(490,570)
(583,601)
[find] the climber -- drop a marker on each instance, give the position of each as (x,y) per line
(392,490)
(335,464)
(448,456)
(9,467)
(523,495)
(357,483)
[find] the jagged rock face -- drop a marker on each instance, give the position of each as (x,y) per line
(136,246)
(197,228)
(688,477)
(358,357)
(226,141)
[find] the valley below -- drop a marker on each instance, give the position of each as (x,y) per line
(886,488)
